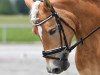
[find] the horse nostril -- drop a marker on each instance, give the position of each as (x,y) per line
(56,70)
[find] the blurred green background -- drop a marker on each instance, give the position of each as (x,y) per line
(15,26)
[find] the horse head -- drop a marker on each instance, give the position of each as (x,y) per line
(55,35)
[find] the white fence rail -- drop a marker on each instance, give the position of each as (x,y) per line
(4,28)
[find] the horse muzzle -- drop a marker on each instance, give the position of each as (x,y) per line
(57,66)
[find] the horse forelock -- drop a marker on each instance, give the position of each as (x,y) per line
(34,11)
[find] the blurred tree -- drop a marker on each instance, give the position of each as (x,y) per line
(6,7)
(22,8)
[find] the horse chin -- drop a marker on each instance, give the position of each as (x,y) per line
(65,66)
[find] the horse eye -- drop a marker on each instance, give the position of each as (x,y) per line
(52,31)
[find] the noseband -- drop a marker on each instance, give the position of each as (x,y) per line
(59,20)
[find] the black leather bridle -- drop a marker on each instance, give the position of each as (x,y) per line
(59,20)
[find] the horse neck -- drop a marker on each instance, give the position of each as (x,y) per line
(88,15)
(87,12)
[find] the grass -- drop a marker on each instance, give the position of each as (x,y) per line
(17,34)
(14,19)
(0,34)
(21,35)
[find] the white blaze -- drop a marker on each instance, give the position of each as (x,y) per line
(40,31)
(34,18)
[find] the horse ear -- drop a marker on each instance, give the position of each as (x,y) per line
(47,3)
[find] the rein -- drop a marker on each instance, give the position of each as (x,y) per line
(59,20)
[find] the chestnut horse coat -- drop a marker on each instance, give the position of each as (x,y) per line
(88,14)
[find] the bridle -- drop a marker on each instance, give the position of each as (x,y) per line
(59,20)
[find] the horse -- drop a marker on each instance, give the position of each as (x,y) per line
(77,17)
(88,13)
